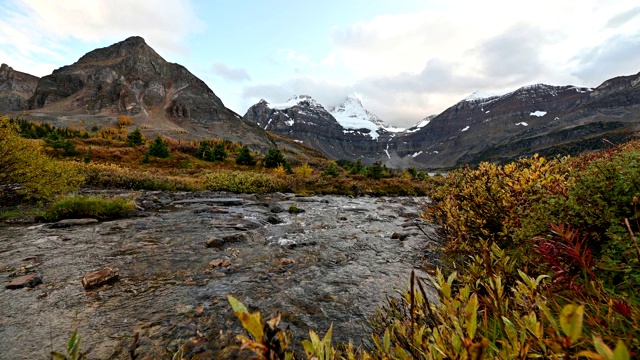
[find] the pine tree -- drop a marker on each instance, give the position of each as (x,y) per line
(158,148)
(244,157)
(219,154)
(135,138)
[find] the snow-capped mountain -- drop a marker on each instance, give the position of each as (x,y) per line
(353,117)
(420,124)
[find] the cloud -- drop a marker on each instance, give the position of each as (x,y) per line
(41,28)
(230,74)
(622,18)
(614,57)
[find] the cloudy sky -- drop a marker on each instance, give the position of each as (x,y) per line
(406,59)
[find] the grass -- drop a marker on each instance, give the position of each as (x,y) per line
(98,207)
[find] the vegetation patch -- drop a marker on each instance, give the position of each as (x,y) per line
(98,207)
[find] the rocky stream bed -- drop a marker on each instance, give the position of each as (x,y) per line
(180,254)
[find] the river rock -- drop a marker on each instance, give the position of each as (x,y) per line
(100,277)
(400,236)
(215,201)
(220,263)
(72,222)
(274,220)
(29,280)
(276,208)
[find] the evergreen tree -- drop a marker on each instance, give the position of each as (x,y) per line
(219,154)
(245,157)
(357,167)
(158,148)
(274,158)
(135,138)
(332,171)
(204,151)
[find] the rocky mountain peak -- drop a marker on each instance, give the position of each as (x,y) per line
(351,114)
(15,88)
(130,78)
(134,46)
(297,100)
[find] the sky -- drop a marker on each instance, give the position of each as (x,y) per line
(405,59)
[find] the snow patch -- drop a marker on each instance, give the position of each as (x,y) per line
(465,129)
(538,113)
(298,141)
(352,115)
(416,154)
(293,101)
(522,123)
(387,151)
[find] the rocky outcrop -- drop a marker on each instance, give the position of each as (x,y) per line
(130,78)
(15,89)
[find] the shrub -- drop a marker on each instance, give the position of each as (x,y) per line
(245,157)
(332,170)
(88,206)
(274,158)
(135,138)
(219,153)
(124,120)
(23,162)
(304,170)
(117,177)
(158,148)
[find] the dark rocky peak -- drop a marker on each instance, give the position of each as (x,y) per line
(133,46)
(15,88)
(129,77)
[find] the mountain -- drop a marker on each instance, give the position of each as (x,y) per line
(305,120)
(352,116)
(130,78)
(15,89)
(545,119)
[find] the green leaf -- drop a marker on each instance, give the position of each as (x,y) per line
(472,316)
(547,314)
(57,356)
(387,340)
(236,305)
(571,321)
(602,348)
(621,352)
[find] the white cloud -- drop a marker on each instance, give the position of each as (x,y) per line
(39,28)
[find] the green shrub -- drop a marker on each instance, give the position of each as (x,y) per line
(274,158)
(332,170)
(158,148)
(135,138)
(88,206)
(244,182)
(245,157)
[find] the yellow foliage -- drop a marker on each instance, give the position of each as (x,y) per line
(124,120)
(304,170)
(23,162)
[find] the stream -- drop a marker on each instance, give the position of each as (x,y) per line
(181,253)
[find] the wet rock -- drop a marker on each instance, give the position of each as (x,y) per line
(29,219)
(215,201)
(72,222)
(29,280)
(99,278)
(219,241)
(276,208)
(220,263)
(400,236)
(274,220)
(295,210)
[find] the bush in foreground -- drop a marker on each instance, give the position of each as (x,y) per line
(76,207)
